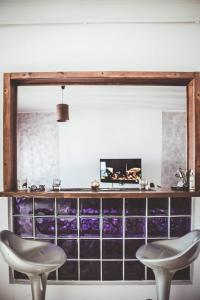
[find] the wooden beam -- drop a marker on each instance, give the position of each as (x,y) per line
(193,128)
(197,132)
(10,134)
(102,78)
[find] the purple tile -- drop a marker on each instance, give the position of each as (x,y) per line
(183,274)
(131,246)
(112,227)
(112,207)
(135,207)
(179,226)
(158,206)
(44,206)
(89,206)
(23,226)
(112,249)
(151,240)
(52,241)
(67,227)
(89,227)
(112,270)
(45,227)
(90,249)
(134,270)
(90,270)
(19,275)
(135,227)
(22,206)
(150,274)
(69,271)
(66,206)
(70,247)
(158,227)
(52,276)
(180,206)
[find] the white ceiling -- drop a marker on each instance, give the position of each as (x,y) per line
(75,11)
(45,98)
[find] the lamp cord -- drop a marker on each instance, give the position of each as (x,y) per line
(62,87)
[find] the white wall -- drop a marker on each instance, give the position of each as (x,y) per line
(108,132)
(98,47)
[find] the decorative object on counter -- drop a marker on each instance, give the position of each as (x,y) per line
(191,180)
(95,185)
(168,256)
(62,109)
(144,185)
(56,184)
(183,180)
(34,188)
(152,185)
(22,184)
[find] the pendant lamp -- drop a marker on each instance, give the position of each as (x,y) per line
(62,110)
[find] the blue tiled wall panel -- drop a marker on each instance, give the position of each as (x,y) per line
(134,270)
(112,249)
(90,270)
(158,227)
(112,207)
(45,227)
(67,227)
(89,206)
(135,227)
(44,207)
(89,249)
(89,227)
(70,247)
(112,270)
(135,207)
(23,226)
(66,206)
(101,236)
(22,206)
(158,206)
(179,226)
(112,227)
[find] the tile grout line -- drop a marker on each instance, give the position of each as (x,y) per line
(78,239)
(123,239)
(101,239)
(56,229)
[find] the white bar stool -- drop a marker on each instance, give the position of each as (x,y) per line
(168,256)
(34,258)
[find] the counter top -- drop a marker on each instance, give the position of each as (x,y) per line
(108,193)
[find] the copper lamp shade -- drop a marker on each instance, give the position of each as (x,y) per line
(62,111)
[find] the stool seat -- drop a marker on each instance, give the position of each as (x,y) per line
(165,257)
(34,258)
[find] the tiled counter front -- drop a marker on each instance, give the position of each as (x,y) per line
(101,236)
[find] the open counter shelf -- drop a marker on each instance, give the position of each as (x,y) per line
(158,193)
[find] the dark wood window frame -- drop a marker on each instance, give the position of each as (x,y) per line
(191,80)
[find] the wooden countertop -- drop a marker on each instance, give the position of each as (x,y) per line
(158,193)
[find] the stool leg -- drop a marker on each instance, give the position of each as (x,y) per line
(38,286)
(163,283)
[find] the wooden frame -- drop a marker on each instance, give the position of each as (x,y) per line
(191,80)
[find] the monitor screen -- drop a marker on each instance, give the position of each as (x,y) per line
(120,170)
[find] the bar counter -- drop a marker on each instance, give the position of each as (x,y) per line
(109,193)
(101,231)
